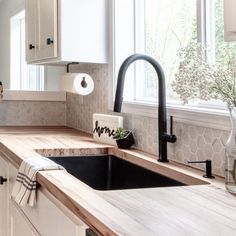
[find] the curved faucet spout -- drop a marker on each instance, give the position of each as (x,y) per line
(162,120)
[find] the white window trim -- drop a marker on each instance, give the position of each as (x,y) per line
(203,117)
(27,95)
(23,77)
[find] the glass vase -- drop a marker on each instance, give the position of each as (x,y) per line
(230,151)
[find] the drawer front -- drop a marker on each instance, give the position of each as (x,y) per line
(47,218)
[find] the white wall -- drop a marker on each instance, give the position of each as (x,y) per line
(8,8)
(52,75)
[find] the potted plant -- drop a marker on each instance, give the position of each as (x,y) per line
(124,138)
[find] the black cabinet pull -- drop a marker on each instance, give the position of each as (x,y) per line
(31,46)
(49,41)
(89,232)
(2,180)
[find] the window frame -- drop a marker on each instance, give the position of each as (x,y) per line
(24,69)
(205,114)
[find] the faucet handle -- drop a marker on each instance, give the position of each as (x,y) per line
(208,168)
(171,125)
(171,138)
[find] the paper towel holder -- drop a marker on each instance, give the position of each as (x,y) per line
(84,83)
(68,66)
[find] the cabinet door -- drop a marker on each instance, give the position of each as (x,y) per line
(46,211)
(47,26)
(3,198)
(19,225)
(31,42)
(36,220)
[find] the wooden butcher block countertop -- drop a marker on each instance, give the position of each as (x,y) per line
(204,208)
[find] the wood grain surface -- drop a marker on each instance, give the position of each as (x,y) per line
(204,208)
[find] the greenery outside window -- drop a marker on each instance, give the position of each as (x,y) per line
(160,28)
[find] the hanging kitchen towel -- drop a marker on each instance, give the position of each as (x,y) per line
(24,190)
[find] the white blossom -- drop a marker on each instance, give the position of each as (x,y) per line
(198,79)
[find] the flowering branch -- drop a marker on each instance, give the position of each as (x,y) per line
(199,79)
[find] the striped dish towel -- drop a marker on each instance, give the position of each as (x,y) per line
(24,190)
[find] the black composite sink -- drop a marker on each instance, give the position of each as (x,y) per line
(112,173)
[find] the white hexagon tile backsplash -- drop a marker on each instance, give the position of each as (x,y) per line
(193,142)
(32,113)
(198,143)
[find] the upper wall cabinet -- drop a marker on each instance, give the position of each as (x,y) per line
(62,31)
(230,20)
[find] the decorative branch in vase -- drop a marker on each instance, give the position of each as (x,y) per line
(197,78)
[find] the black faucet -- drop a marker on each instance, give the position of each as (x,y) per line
(162,120)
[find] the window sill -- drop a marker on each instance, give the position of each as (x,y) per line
(15,95)
(204,117)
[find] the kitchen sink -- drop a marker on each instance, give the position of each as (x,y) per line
(108,172)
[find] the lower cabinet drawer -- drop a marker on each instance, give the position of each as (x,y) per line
(47,218)
(19,223)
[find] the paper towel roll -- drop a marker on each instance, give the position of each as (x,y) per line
(80,83)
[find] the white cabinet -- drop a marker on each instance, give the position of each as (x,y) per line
(229,20)
(12,222)
(4,203)
(46,211)
(41,29)
(19,224)
(45,218)
(62,31)
(47,18)
(31,34)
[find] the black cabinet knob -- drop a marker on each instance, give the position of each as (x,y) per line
(2,180)
(49,41)
(31,46)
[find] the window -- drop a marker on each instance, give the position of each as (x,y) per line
(160,28)
(23,76)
